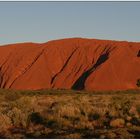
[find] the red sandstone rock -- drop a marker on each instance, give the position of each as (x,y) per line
(70,63)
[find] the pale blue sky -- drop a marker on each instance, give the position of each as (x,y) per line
(44,21)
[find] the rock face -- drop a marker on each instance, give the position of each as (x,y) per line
(74,63)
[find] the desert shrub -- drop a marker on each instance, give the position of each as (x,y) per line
(51,123)
(135,121)
(12,96)
(106,123)
(121,105)
(18,110)
(35,118)
(72,118)
(138,82)
(16,116)
(4,122)
(93,116)
(82,112)
(69,110)
(108,116)
(126,106)
(25,103)
(138,108)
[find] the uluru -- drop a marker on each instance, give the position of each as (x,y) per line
(72,63)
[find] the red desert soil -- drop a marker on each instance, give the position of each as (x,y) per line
(74,63)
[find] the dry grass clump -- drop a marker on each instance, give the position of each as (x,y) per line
(119,122)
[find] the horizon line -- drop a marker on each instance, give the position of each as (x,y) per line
(57,39)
